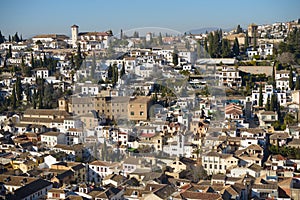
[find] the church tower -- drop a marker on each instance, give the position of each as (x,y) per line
(74,30)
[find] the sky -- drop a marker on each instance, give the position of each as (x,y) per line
(32,17)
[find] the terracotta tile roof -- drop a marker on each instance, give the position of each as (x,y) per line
(104,163)
(200,195)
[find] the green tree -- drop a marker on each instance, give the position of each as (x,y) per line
(255,41)
(297,86)
(9,38)
(13,99)
(110,72)
(122,72)
(239,29)
(2,39)
(236,47)
(291,82)
(260,100)
(16,37)
(289,119)
(246,45)
(175,58)
(19,90)
(115,74)
(273,103)
(225,49)
(32,62)
(267,106)
(205,45)
(78,58)
(159,39)
(273,77)
(93,67)
(136,34)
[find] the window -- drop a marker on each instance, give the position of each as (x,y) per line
(141,113)
(131,113)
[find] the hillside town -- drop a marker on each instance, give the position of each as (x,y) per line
(124,116)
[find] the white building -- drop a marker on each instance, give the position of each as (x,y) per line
(99,169)
(215,163)
(178,146)
(42,73)
(230,77)
(265,50)
(267,92)
(90,40)
(90,89)
(52,138)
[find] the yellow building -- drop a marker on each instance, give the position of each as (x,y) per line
(138,108)
(23,165)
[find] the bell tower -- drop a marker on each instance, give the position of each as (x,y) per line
(74,30)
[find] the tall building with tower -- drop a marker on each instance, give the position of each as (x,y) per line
(90,40)
(74,30)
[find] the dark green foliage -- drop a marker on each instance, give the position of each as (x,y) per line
(273,77)
(9,53)
(13,99)
(291,82)
(78,58)
(267,106)
(93,67)
(236,48)
(246,45)
(297,86)
(159,39)
(16,38)
(255,41)
(110,72)
(122,72)
(2,39)
(239,29)
(175,58)
(32,62)
(260,100)
(273,102)
(19,90)
(290,152)
(291,45)
(225,49)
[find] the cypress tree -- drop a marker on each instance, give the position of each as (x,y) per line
(239,29)
(9,54)
(236,47)
(246,41)
(78,59)
(225,49)
(1,38)
(13,99)
(93,67)
(18,90)
(291,82)
(175,59)
(268,106)
(273,102)
(9,38)
(255,41)
(122,72)
(273,77)
(160,41)
(297,87)
(110,72)
(32,61)
(260,100)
